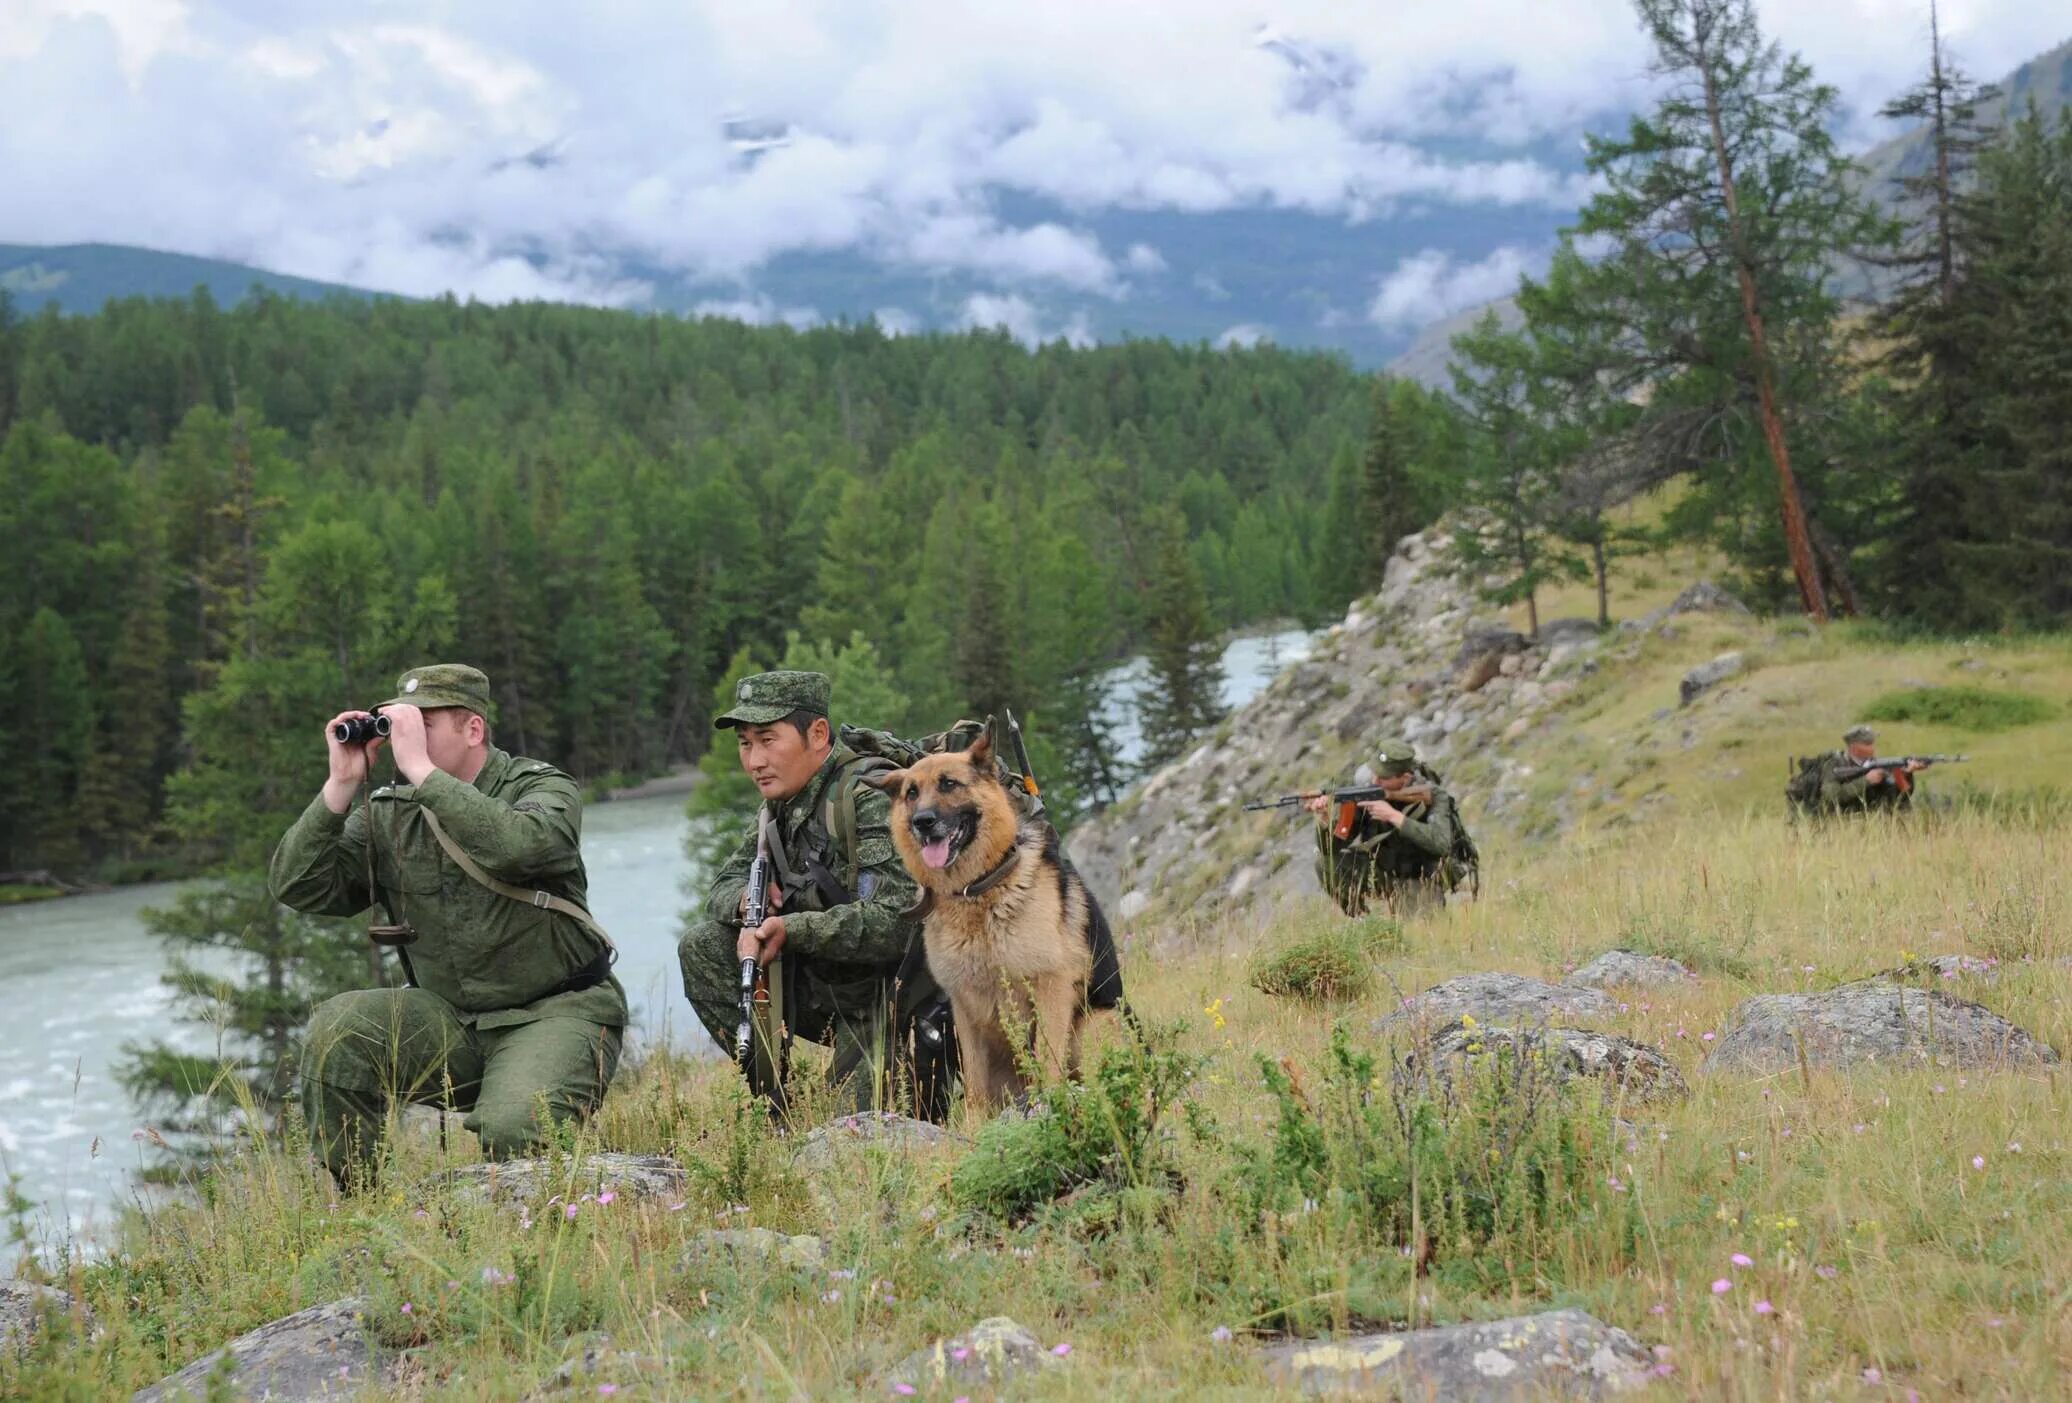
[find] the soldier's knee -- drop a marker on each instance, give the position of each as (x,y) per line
(335,1027)
(508,1128)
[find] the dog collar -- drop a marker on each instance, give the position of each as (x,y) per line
(995,877)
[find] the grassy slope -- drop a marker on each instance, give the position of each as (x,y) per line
(1942,1277)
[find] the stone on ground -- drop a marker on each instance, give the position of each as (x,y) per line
(988,1354)
(1705,676)
(1555,1354)
(1507,999)
(1629,968)
(317,1353)
(873,1129)
(23,1308)
(629,1177)
(1642,1072)
(742,1245)
(1872,1020)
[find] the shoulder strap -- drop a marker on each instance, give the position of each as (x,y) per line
(839,812)
(546,901)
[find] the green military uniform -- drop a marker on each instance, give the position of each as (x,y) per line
(1409,869)
(1832,795)
(512,1010)
(852,970)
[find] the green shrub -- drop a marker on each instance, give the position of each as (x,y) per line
(1964,708)
(1335,961)
(1110,1130)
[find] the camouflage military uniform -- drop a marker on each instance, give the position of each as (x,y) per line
(853,971)
(1408,869)
(1831,795)
(512,1010)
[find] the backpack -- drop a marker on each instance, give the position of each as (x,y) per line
(1464,860)
(1802,790)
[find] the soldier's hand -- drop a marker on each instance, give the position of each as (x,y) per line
(349,764)
(1914,767)
(773,899)
(1874,777)
(1317,803)
(406,734)
(761,944)
(1383,810)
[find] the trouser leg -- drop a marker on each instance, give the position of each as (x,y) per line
(712,982)
(370,1049)
(538,1075)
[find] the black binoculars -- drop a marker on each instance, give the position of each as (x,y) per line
(358,730)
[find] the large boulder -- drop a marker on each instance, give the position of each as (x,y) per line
(880,1130)
(1705,676)
(1555,1354)
(24,1306)
(1505,999)
(1628,1068)
(1872,1020)
(1567,633)
(1706,597)
(1616,969)
(986,1356)
(628,1177)
(743,1245)
(321,1352)
(1482,642)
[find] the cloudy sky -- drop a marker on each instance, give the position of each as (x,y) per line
(504,148)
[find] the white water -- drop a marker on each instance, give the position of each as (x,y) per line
(80,977)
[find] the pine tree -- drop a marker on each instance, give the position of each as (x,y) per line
(133,742)
(1723,208)
(1388,502)
(53,720)
(724,798)
(1183,695)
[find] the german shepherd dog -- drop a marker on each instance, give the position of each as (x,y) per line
(1010,929)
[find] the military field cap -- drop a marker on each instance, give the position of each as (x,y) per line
(772,696)
(444,684)
(1394,756)
(1859,735)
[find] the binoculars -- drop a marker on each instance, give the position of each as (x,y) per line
(358,730)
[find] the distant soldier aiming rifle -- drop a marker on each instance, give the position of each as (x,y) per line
(1856,779)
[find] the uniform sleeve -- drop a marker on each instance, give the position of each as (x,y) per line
(723,897)
(1842,793)
(1435,833)
(320,866)
(867,930)
(538,834)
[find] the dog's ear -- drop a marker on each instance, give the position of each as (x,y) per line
(981,752)
(889,781)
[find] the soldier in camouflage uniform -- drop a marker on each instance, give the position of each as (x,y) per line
(1404,855)
(853,972)
(511,1013)
(1875,791)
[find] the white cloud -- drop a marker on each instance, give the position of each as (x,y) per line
(1018,317)
(1245,335)
(320,140)
(1430,285)
(758,311)
(896,321)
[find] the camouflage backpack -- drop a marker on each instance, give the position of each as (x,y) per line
(1464,861)
(1802,790)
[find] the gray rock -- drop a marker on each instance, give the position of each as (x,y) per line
(1706,597)
(629,1177)
(1557,633)
(1501,999)
(1630,968)
(881,1130)
(1480,642)
(1132,905)
(23,1307)
(1983,968)
(1641,1072)
(801,1253)
(1555,1354)
(989,1353)
(317,1353)
(1872,1020)
(1705,676)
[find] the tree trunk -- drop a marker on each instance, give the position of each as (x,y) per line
(1946,258)
(1803,565)
(1604,597)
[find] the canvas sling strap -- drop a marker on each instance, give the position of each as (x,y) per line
(545,901)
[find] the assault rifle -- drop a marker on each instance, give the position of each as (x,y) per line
(755,984)
(1347,803)
(1857,769)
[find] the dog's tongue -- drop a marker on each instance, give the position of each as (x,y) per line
(936,854)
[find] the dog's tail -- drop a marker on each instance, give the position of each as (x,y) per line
(1104,987)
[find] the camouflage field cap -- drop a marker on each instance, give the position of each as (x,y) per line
(1394,756)
(772,696)
(444,684)
(1859,734)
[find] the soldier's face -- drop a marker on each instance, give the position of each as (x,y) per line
(1861,749)
(452,735)
(780,759)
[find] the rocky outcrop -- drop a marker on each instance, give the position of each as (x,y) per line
(739,1246)
(987,1355)
(24,1306)
(628,1177)
(1629,969)
(319,1353)
(1500,1000)
(1705,676)
(1556,1354)
(1629,1070)
(1871,1021)
(824,1147)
